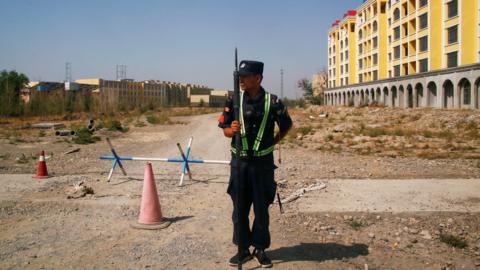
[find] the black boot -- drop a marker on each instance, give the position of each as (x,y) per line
(262,258)
(245,256)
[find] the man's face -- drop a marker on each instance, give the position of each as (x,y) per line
(248,82)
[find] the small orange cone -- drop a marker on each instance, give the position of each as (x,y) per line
(42,167)
(150,217)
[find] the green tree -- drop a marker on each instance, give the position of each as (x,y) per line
(11,83)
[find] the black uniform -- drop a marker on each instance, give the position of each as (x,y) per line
(257,184)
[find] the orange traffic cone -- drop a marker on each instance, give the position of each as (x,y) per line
(42,167)
(150,217)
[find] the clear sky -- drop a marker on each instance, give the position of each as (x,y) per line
(183,41)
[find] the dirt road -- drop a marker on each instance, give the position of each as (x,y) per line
(42,229)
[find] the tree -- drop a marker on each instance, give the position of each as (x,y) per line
(307,89)
(11,83)
(306,86)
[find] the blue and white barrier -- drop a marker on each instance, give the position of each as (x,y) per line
(184,159)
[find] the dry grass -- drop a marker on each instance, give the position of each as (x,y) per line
(423,133)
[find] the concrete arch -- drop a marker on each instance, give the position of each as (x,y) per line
(378,95)
(448,95)
(409,97)
(476,93)
(385,96)
(349,99)
(372,96)
(357,98)
(431,94)
(362,97)
(393,96)
(419,96)
(464,94)
(401,96)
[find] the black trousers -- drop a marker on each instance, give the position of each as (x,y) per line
(256,186)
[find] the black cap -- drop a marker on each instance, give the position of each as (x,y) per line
(250,68)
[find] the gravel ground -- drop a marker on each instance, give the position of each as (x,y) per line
(43,229)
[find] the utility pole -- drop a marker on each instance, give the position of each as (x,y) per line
(121,72)
(68,72)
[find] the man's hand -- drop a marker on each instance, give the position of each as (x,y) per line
(234,128)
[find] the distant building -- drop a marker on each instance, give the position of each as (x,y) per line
(406,53)
(109,95)
(319,83)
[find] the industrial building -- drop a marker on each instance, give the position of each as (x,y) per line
(406,53)
(110,95)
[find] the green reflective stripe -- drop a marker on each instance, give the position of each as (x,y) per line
(255,153)
(258,140)
(242,153)
(242,125)
(264,152)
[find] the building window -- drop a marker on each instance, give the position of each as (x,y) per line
(423,65)
(360,48)
(396,70)
(396,33)
(346,42)
(346,68)
(396,14)
(375,42)
(341,57)
(423,43)
(346,81)
(452,8)
(360,63)
(389,56)
(423,21)
(452,59)
(396,52)
(375,59)
(375,75)
(360,78)
(375,26)
(423,3)
(346,55)
(452,34)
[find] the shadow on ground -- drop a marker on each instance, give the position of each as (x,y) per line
(316,252)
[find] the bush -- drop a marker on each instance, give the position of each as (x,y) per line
(160,119)
(375,132)
(84,136)
(453,241)
(446,134)
(114,125)
(305,130)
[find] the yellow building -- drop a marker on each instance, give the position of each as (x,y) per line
(396,38)
(341,51)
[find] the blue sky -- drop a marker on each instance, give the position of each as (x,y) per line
(183,41)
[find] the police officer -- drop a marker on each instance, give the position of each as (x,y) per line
(259,111)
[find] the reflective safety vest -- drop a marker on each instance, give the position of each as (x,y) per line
(256,151)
